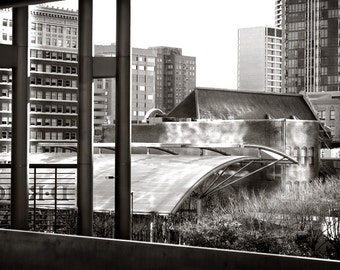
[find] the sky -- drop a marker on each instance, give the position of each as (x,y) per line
(206,30)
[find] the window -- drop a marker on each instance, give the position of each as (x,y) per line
(322,115)
(39,94)
(48,68)
(332,114)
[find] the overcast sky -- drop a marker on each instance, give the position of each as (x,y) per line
(204,29)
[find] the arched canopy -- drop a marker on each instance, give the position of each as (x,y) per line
(160,183)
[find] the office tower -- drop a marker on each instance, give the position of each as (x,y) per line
(312,56)
(175,77)
(311,40)
(53,41)
(143,87)
(259,59)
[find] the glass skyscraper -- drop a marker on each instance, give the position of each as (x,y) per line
(311,60)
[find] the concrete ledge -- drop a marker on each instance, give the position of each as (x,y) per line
(30,250)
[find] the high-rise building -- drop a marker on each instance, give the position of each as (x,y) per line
(311,41)
(53,41)
(278,13)
(175,77)
(259,59)
(311,54)
(143,87)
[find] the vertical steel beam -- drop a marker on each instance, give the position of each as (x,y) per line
(85,120)
(123,121)
(20,104)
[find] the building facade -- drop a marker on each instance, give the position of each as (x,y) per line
(53,41)
(312,56)
(327,106)
(311,40)
(259,59)
(278,13)
(175,77)
(143,87)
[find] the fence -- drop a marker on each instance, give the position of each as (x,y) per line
(51,194)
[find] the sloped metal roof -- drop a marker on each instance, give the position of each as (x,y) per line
(215,104)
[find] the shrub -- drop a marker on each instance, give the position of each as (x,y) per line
(283,222)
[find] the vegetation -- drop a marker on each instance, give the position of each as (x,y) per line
(303,223)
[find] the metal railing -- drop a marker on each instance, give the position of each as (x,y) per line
(51,195)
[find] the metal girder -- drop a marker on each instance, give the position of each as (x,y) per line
(20,115)
(123,122)
(85,120)
(22,3)
(104,67)
(224,183)
(8,56)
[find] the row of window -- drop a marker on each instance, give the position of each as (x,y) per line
(39,135)
(53,122)
(56,42)
(53,55)
(142,78)
(53,68)
(7,22)
(53,108)
(143,59)
(54,28)
(6,37)
(322,114)
(6,78)
(53,82)
(55,95)
(147,68)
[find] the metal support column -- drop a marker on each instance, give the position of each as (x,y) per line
(85,120)
(123,121)
(20,104)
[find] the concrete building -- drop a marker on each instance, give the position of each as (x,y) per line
(143,86)
(175,77)
(53,77)
(259,59)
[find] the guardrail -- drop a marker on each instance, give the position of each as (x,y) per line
(52,191)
